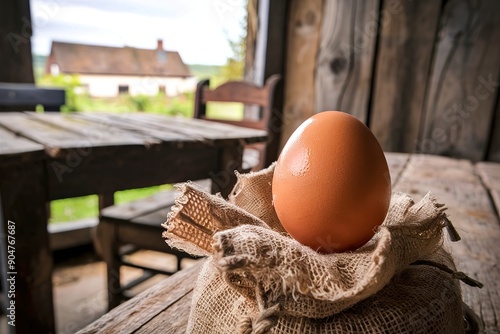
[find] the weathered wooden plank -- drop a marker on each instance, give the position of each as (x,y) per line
(345,60)
(178,131)
(57,139)
(138,312)
(123,122)
(134,209)
(144,237)
(464,79)
(303,41)
(20,95)
(197,128)
(407,34)
(93,129)
(71,234)
(490,174)
(173,321)
(17,150)
(240,91)
(454,183)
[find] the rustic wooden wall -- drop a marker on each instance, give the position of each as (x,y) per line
(423,75)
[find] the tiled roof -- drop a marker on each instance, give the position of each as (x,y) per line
(93,59)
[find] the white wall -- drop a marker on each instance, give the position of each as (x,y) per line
(107,85)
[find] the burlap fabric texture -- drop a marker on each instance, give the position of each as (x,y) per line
(257,279)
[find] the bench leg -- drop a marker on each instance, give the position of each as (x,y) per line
(110,252)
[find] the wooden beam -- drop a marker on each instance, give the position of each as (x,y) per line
(346,56)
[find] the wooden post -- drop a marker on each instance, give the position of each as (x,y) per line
(15,44)
(266,57)
(23,197)
(304,25)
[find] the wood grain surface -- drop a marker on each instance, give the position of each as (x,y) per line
(470,209)
(161,302)
(303,40)
(463,83)
(345,58)
(16,150)
(406,40)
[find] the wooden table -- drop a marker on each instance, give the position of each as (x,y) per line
(44,157)
(471,193)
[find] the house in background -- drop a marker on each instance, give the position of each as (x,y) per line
(109,71)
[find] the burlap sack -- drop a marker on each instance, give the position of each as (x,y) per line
(257,279)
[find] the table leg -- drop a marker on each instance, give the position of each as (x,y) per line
(24,250)
(230,159)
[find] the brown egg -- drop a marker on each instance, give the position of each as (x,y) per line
(331,185)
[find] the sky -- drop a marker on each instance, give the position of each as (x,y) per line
(198,29)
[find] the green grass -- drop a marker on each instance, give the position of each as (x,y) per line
(71,209)
(225,110)
(205,71)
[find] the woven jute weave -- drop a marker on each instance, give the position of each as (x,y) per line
(257,279)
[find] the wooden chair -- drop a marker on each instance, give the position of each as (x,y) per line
(21,97)
(255,156)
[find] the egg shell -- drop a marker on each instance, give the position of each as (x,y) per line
(331,185)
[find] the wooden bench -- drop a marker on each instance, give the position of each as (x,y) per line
(21,96)
(467,190)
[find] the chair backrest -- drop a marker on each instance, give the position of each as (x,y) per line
(238,91)
(247,94)
(20,97)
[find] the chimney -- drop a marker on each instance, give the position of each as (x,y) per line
(160,44)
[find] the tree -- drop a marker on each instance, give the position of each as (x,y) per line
(234,68)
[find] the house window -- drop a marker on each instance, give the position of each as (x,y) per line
(122,89)
(162,89)
(54,69)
